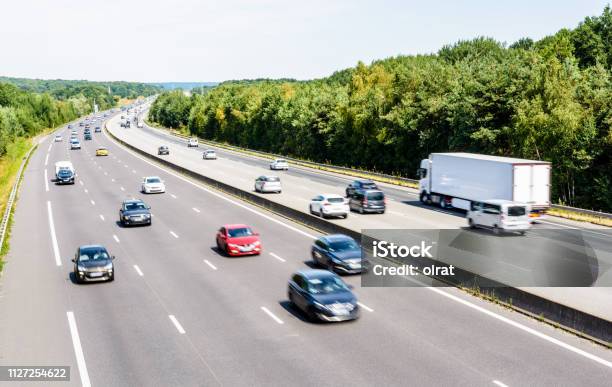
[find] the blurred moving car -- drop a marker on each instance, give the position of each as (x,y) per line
(93,263)
(64,172)
(209,154)
(133,212)
(329,205)
(268,184)
(238,239)
(193,142)
(153,184)
(98,129)
(368,201)
(75,143)
(163,150)
(322,295)
(58,138)
(500,216)
(101,151)
(279,164)
(360,184)
(87,136)
(337,252)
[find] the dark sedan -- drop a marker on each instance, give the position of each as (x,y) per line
(322,295)
(337,253)
(93,263)
(133,212)
(163,150)
(361,184)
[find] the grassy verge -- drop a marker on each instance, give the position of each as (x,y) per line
(9,166)
(580,217)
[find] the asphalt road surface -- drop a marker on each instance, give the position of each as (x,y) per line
(181,314)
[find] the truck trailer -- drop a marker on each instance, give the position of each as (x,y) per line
(456,180)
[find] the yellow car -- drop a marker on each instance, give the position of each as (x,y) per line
(101,151)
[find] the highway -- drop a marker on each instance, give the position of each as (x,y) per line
(181,314)
(404,208)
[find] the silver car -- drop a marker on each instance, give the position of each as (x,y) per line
(268,184)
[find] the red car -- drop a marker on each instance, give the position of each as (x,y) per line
(238,239)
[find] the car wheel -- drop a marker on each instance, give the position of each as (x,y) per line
(77,279)
(321,214)
(522,232)
(345,216)
(381,212)
(346,192)
(290,296)
(361,210)
(111,278)
(496,230)
(471,223)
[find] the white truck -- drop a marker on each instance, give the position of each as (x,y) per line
(64,172)
(460,179)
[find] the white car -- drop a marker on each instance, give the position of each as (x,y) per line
(279,164)
(192,142)
(209,154)
(329,205)
(499,215)
(75,144)
(153,184)
(268,184)
(58,138)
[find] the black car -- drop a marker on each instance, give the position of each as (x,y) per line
(337,252)
(93,263)
(87,136)
(322,295)
(361,184)
(163,150)
(64,176)
(134,211)
(368,201)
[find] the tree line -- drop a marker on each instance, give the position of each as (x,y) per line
(546,100)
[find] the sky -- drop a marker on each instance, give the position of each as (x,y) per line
(202,40)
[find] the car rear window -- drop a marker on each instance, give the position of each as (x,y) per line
(335,200)
(376,196)
(516,211)
(273,179)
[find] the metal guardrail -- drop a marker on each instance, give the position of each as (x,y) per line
(11,199)
(598,214)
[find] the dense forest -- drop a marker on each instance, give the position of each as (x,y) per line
(62,89)
(27,106)
(547,100)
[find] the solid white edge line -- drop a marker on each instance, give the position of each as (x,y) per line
(210,264)
(196,210)
(173,234)
(524,328)
(266,311)
(365,307)
(500,384)
(177,325)
(138,270)
(56,252)
(277,257)
(46,181)
(221,196)
(116,238)
(78,350)
(47,160)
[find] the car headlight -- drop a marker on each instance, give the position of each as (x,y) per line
(126,217)
(81,268)
(147,216)
(320,306)
(232,245)
(108,266)
(256,243)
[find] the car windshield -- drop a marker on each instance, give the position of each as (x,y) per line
(93,254)
(153,180)
(343,245)
(335,200)
(516,211)
(135,206)
(326,285)
(210,151)
(376,196)
(239,232)
(64,172)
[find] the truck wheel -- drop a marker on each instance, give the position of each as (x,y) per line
(424,198)
(443,202)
